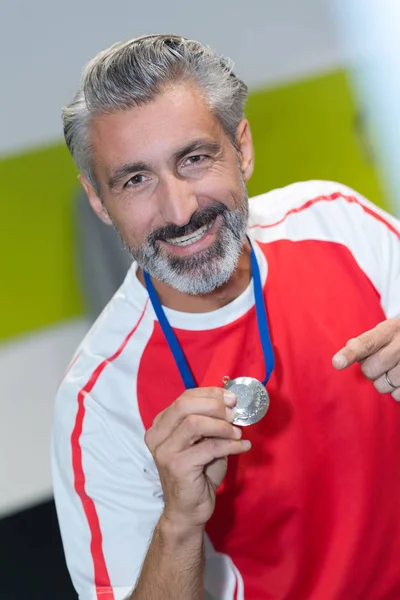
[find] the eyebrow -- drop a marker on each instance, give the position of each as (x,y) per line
(123,171)
(210,147)
(127,169)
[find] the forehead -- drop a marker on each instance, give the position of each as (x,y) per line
(154,131)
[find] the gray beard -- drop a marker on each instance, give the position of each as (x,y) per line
(206,271)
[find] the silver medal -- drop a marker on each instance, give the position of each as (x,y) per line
(252,399)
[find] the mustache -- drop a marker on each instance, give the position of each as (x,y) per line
(197,220)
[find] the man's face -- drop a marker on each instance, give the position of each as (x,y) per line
(173,186)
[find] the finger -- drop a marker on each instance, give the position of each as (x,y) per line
(195,428)
(200,455)
(211,402)
(382,384)
(184,464)
(364,345)
(396,394)
(214,448)
(382,361)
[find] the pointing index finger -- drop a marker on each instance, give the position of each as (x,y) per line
(359,348)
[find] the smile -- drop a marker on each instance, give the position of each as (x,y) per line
(186,240)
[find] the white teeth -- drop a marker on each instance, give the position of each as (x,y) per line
(186,240)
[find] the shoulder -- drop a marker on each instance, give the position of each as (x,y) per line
(333,213)
(316,209)
(105,363)
(301,195)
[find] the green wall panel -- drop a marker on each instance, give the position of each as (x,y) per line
(301,131)
(307,130)
(37,266)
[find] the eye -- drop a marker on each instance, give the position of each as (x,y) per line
(197,159)
(135,180)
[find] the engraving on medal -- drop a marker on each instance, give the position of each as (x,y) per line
(252,399)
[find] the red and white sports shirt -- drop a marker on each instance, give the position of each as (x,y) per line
(312,512)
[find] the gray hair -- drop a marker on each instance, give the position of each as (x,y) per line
(133,73)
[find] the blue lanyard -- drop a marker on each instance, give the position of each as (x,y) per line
(175,347)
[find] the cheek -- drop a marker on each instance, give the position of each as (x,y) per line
(227,189)
(132,225)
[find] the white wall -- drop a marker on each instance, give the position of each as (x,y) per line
(31,368)
(370,36)
(44,44)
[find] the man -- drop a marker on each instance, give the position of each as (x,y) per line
(159,494)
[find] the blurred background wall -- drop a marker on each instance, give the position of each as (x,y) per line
(306,125)
(368,33)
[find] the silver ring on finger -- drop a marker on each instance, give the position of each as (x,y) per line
(389,382)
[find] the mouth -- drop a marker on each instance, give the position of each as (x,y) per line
(192,238)
(195,242)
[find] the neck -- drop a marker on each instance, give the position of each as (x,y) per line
(240,279)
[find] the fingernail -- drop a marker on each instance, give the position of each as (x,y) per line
(229,398)
(396,395)
(339,361)
(237,432)
(246,443)
(230,415)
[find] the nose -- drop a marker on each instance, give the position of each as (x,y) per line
(177,200)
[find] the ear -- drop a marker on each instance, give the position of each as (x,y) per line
(94,201)
(246,151)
